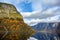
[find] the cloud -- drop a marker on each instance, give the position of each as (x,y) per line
(49,15)
(40,5)
(51,2)
(12,1)
(40,11)
(17,1)
(27,14)
(36,5)
(43,14)
(8,1)
(32,22)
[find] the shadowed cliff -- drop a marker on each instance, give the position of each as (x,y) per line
(58,30)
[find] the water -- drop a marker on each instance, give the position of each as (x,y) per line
(45,36)
(48,31)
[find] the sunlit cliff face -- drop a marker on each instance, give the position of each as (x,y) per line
(9,11)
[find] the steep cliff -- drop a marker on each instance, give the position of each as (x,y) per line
(9,11)
(12,26)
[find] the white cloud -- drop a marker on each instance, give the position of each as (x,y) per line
(54,19)
(8,1)
(49,15)
(17,1)
(39,5)
(27,14)
(36,5)
(51,2)
(20,1)
(12,1)
(42,14)
(32,22)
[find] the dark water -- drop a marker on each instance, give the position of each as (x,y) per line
(45,36)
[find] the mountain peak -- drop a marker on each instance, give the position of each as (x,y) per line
(9,11)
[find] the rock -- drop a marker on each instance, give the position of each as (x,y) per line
(9,11)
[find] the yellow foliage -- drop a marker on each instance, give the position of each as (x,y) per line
(12,24)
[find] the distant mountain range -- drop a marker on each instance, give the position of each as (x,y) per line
(52,26)
(45,26)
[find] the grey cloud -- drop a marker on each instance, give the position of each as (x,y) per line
(45,14)
(51,2)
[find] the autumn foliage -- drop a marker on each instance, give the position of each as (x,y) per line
(12,26)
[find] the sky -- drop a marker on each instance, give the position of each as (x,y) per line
(35,11)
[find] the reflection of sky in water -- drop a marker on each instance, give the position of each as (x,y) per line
(32,38)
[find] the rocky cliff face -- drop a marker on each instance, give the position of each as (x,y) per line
(12,26)
(9,11)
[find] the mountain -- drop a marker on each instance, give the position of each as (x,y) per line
(45,26)
(12,26)
(53,27)
(9,11)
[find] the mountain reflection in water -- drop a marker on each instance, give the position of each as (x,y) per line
(50,31)
(45,36)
